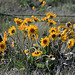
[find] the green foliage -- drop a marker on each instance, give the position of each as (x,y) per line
(42,9)
(20,60)
(19,64)
(43,50)
(30,59)
(40,65)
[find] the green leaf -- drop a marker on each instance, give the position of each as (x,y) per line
(22,68)
(50,64)
(42,9)
(25,3)
(30,59)
(40,65)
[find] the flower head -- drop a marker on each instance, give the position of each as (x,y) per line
(18,21)
(12,30)
(71,43)
(51,22)
(61,27)
(2,46)
(32,29)
(37,53)
(40,0)
(35,19)
(5,36)
(34,37)
(23,27)
(35,45)
(53,36)
(24,22)
(45,18)
(51,15)
(74,26)
(25,33)
(72,33)
(33,8)
(43,3)
(63,37)
(29,20)
(26,52)
(50,56)
(69,25)
(53,29)
(13,43)
(45,42)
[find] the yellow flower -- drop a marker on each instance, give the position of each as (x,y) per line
(44,2)
(71,43)
(63,37)
(53,29)
(45,42)
(32,29)
(65,30)
(50,56)
(61,27)
(74,26)
(5,36)
(35,18)
(29,20)
(40,0)
(69,25)
(18,21)
(24,22)
(67,58)
(51,15)
(2,46)
(34,37)
(2,54)
(29,35)
(48,14)
(45,18)
(23,27)
(36,45)
(12,30)
(51,22)
(33,8)
(72,33)
(25,33)
(13,43)
(26,52)
(53,36)
(37,53)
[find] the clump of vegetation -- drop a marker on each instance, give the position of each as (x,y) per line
(24,48)
(27,52)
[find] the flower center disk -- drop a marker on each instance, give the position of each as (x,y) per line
(13,31)
(2,46)
(45,41)
(32,30)
(53,35)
